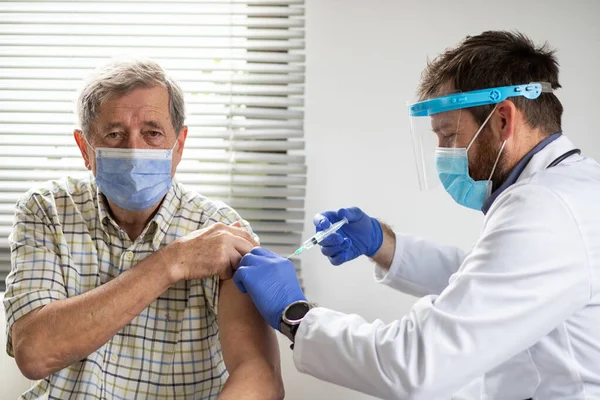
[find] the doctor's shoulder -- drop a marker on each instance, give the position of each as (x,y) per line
(571,188)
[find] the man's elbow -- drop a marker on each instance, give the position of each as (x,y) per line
(32,354)
(278,391)
(31,366)
(258,380)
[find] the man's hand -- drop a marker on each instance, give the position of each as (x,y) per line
(271,282)
(362,235)
(215,250)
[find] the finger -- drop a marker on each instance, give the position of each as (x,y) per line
(339,259)
(321,221)
(226,274)
(238,279)
(332,251)
(245,260)
(237,224)
(261,251)
(335,239)
(249,260)
(241,232)
(353,214)
(236,248)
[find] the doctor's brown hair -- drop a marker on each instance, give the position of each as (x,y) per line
(492,59)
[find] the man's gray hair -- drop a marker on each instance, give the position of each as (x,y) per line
(119,77)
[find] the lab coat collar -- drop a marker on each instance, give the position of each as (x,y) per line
(536,160)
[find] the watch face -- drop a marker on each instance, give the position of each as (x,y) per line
(296,311)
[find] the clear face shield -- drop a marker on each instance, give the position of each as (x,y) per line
(430,135)
(436,127)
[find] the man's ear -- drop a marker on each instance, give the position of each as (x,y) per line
(178,152)
(505,121)
(83,147)
(181,140)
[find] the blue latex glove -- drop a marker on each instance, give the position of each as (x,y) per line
(271,282)
(362,235)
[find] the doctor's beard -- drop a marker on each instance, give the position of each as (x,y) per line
(482,156)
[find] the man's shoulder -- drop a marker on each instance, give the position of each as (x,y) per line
(195,204)
(49,193)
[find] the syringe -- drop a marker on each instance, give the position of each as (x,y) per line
(319,237)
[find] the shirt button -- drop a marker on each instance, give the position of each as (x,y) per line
(129,255)
(114,358)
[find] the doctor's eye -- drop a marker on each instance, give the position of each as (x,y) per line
(445,139)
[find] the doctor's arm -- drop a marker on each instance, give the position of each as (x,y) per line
(527,274)
(406,263)
(250,349)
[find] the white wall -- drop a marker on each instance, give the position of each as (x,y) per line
(364,58)
(12,383)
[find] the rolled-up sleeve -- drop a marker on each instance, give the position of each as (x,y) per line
(36,277)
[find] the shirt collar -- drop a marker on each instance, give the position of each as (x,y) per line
(516,173)
(158,226)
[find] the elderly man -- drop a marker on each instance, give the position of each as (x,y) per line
(114,290)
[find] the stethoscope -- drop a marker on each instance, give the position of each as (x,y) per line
(561,158)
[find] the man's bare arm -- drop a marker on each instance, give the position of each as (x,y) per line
(250,349)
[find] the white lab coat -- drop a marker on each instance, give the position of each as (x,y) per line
(521,311)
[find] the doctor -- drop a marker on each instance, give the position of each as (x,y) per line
(522,309)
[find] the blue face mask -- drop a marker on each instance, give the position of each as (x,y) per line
(134,179)
(453,170)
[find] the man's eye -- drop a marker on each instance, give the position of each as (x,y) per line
(113,135)
(446,139)
(154,133)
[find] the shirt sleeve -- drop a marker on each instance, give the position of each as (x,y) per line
(420,267)
(226,215)
(36,277)
(527,274)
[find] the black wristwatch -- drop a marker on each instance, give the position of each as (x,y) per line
(291,318)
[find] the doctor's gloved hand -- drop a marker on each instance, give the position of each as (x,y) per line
(362,235)
(271,282)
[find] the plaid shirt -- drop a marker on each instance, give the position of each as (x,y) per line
(64,243)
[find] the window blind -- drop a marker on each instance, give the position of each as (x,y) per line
(240,63)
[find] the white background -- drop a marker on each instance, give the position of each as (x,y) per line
(364,59)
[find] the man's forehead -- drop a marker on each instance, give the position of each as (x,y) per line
(140,101)
(140,111)
(446,119)
(141,107)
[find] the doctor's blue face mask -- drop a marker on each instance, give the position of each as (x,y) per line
(452,165)
(134,179)
(435,125)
